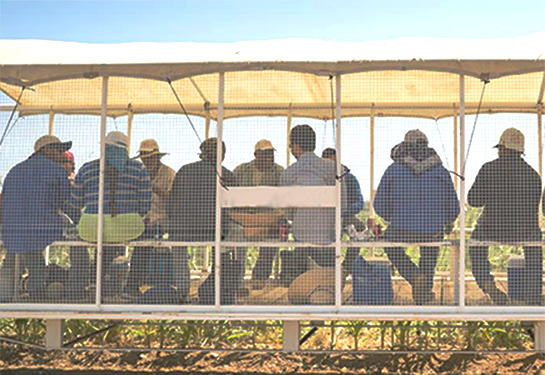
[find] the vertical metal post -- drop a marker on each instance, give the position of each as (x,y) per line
(100,221)
(54,333)
(130,118)
(290,336)
(462,254)
(539,338)
(455,143)
(207,124)
(338,187)
(288,130)
(51,127)
(372,158)
(219,156)
(540,138)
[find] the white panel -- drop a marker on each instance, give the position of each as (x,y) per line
(280,197)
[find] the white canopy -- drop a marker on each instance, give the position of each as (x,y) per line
(402,77)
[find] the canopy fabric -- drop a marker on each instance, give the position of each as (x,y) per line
(417,77)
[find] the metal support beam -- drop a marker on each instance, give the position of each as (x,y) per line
(290,335)
(338,186)
(130,118)
(540,138)
(372,158)
(462,251)
(100,221)
(288,130)
(455,143)
(207,125)
(51,127)
(539,338)
(219,191)
(54,333)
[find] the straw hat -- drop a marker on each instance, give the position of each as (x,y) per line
(149,147)
(118,139)
(263,145)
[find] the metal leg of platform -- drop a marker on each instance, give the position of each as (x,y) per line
(539,336)
(54,333)
(291,334)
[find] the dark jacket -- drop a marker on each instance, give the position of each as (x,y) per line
(509,190)
(416,193)
(191,205)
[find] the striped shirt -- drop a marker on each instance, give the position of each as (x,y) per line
(132,190)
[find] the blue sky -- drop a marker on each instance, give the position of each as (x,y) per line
(227,21)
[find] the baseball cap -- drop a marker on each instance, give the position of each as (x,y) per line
(512,139)
(415,135)
(51,140)
(263,145)
(118,139)
(69,156)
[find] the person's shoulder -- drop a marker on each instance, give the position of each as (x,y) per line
(278,167)
(243,167)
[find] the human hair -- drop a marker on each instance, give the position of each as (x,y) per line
(303,136)
(329,153)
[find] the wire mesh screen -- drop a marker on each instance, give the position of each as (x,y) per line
(283,216)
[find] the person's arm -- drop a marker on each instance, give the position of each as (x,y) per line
(452,204)
(383,200)
(354,196)
(481,189)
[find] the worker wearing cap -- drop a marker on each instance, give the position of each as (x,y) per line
(416,197)
(509,191)
(156,219)
(127,199)
(34,192)
(262,171)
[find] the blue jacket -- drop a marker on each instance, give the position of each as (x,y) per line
(132,190)
(34,191)
(417,195)
(354,198)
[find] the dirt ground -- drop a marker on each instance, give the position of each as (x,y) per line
(27,362)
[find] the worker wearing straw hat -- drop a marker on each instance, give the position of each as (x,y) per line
(156,219)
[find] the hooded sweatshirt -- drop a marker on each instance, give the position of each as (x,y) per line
(416,193)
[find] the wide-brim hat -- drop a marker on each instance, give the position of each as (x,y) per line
(512,139)
(148,148)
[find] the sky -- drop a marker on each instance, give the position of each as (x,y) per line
(229,21)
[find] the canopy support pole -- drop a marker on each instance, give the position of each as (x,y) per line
(207,125)
(219,157)
(51,126)
(454,258)
(462,251)
(455,144)
(100,221)
(338,187)
(288,130)
(540,138)
(130,118)
(372,158)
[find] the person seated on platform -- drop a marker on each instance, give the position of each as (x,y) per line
(34,192)
(354,205)
(127,199)
(416,197)
(191,211)
(313,225)
(262,171)
(155,220)
(509,190)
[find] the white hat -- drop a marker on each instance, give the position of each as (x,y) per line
(51,140)
(118,139)
(263,145)
(512,139)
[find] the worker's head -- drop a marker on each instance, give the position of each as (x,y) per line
(209,150)
(416,137)
(149,154)
(511,142)
(302,140)
(264,155)
(52,148)
(330,154)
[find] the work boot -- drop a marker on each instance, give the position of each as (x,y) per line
(496,295)
(422,295)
